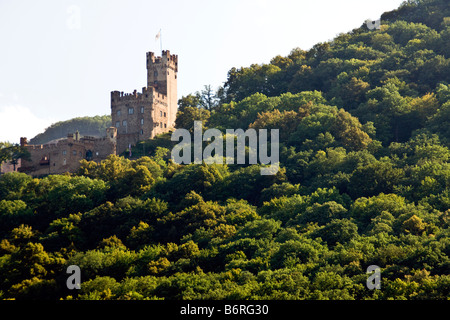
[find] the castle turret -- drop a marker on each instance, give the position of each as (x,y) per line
(142,115)
(162,75)
(111,133)
(23,141)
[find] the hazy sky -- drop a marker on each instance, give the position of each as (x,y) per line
(61,59)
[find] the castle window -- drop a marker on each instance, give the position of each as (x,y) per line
(117,124)
(74,152)
(155,74)
(164,114)
(165,125)
(160,113)
(130,110)
(124,123)
(142,121)
(142,131)
(64,152)
(64,162)
(161,124)
(118,112)
(142,109)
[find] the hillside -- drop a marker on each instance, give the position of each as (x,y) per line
(364,180)
(396,77)
(87,126)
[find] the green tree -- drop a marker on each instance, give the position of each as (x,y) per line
(373,179)
(12,153)
(338,230)
(186,117)
(13,185)
(190,100)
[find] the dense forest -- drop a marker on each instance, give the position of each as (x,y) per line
(364,180)
(86,126)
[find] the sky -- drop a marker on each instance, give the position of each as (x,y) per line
(60,59)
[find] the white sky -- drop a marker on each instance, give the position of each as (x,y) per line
(60,59)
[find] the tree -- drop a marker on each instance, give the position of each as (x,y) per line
(13,185)
(207,98)
(12,214)
(349,92)
(373,179)
(294,252)
(322,213)
(260,228)
(414,225)
(439,122)
(190,100)
(338,230)
(12,153)
(186,117)
(389,111)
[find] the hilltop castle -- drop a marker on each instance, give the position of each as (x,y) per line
(141,116)
(135,117)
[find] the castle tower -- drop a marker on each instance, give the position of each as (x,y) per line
(142,115)
(162,75)
(111,133)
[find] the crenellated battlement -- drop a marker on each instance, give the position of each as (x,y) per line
(142,115)
(56,145)
(64,154)
(148,93)
(166,59)
(136,116)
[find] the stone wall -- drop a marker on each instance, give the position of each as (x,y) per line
(64,155)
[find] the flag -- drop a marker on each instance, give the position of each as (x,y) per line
(158,35)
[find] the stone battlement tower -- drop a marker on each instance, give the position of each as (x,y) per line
(142,115)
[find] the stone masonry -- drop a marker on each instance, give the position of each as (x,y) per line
(64,155)
(142,115)
(135,117)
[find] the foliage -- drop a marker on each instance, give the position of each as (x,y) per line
(364,180)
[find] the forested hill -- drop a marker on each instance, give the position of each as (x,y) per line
(395,77)
(364,180)
(87,126)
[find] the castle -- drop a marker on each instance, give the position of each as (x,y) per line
(135,117)
(141,116)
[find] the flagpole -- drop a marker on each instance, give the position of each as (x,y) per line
(158,36)
(160,41)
